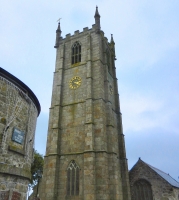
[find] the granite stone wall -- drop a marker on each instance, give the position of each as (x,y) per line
(161,189)
(18,115)
(85,124)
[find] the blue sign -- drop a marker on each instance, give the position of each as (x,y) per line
(18,136)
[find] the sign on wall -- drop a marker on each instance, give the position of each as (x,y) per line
(18,136)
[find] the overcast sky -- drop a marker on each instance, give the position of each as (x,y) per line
(146,33)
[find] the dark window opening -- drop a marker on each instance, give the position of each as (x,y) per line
(73,179)
(76,53)
(142,190)
(108,60)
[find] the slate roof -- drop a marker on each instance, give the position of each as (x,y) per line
(165,176)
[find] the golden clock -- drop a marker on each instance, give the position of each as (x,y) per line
(75,82)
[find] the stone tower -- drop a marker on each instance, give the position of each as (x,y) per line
(85,154)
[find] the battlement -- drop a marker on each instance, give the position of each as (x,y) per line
(77,33)
(85,31)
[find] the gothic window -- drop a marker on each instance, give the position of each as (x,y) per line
(108,61)
(108,58)
(142,190)
(73,179)
(76,53)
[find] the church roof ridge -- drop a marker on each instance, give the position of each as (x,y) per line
(164,175)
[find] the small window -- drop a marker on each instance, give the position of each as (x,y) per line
(73,179)
(76,53)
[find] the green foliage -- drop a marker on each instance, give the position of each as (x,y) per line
(37,165)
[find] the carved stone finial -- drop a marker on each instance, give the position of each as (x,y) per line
(97,13)
(97,20)
(58,34)
(112,40)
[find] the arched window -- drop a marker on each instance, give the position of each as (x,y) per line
(142,190)
(76,53)
(73,179)
(108,60)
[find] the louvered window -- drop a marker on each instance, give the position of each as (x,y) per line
(73,179)
(108,60)
(142,190)
(76,53)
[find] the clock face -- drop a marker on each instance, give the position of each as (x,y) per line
(75,82)
(110,89)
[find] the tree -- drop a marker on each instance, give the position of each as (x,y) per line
(37,166)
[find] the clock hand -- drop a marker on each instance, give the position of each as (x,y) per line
(76,83)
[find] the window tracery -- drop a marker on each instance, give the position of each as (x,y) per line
(108,60)
(76,53)
(73,179)
(142,190)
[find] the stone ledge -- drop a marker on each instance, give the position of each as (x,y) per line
(17,150)
(110,125)
(13,170)
(83,152)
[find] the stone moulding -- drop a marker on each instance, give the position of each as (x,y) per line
(13,170)
(17,150)
(83,152)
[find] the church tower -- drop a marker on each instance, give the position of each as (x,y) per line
(85,154)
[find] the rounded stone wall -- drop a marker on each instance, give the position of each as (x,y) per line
(19,109)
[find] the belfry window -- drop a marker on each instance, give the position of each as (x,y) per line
(142,190)
(76,53)
(108,59)
(73,179)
